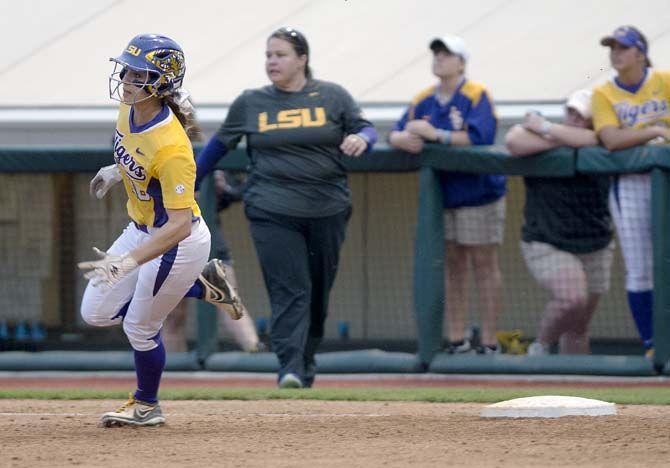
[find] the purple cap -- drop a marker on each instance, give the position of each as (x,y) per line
(627,36)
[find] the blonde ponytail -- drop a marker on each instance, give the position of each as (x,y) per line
(180,103)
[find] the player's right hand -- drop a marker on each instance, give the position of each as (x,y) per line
(109,269)
(105,179)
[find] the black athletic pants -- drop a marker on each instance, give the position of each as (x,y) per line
(299,258)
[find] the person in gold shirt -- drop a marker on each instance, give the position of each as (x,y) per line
(632,109)
(161,256)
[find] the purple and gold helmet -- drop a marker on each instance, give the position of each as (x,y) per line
(159,56)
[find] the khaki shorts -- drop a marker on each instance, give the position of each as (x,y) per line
(547,263)
(476,225)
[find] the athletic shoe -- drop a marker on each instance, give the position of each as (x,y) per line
(649,354)
(254,348)
(488,349)
(460,347)
(290,381)
(134,413)
(537,349)
(218,290)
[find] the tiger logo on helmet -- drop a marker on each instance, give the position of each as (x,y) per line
(159,56)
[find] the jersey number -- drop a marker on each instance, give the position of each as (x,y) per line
(139,193)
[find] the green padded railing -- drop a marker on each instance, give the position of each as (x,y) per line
(429,247)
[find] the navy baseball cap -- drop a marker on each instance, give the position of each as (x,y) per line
(627,36)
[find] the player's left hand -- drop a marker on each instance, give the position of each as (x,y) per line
(423,129)
(353,145)
(109,270)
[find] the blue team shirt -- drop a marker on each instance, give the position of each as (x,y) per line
(471,110)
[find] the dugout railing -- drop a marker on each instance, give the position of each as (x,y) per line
(427,265)
(563,162)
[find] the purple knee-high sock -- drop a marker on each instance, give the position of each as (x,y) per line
(642,307)
(149,367)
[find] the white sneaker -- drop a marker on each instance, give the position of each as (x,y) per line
(486,349)
(460,347)
(290,381)
(134,413)
(538,349)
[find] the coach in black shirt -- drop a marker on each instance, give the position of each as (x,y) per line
(298,131)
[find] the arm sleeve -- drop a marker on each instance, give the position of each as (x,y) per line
(603,112)
(208,157)
(369,134)
(175,168)
(481,122)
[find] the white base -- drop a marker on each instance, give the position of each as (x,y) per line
(548,407)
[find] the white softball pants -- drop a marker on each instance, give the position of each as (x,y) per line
(148,294)
(630,205)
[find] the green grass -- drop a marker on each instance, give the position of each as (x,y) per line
(633,396)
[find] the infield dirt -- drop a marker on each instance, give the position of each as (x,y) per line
(284,433)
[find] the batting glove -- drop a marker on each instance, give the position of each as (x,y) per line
(109,270)
(105,179)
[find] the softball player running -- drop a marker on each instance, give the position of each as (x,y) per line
(632,109)
(159,257)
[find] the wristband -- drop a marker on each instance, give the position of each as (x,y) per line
(545,127)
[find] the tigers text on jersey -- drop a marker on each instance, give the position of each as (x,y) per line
(633,107)
(157,164)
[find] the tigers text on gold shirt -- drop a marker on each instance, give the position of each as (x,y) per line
(613,104)
(157,164)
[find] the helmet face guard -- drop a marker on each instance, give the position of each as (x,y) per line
(116,82)
(160,57)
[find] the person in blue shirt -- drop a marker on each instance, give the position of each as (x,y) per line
(460,112)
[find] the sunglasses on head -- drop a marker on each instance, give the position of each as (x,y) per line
(290,32)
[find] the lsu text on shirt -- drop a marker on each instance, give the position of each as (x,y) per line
(293,139)
(470,109)
(639,106)
(157,165)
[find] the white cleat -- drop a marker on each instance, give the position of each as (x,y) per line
(134,413)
